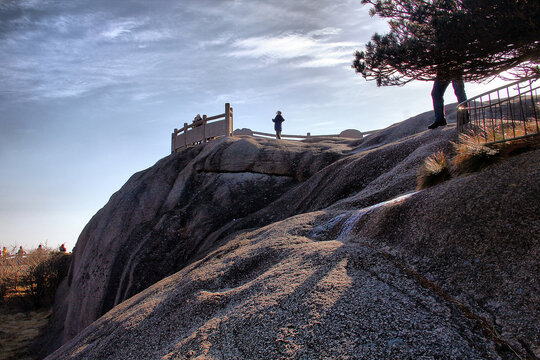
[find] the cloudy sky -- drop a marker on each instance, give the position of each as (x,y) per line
(91,91)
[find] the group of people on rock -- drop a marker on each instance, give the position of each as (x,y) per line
(21,252)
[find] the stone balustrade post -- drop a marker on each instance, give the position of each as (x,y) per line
(204,117)
(185,134)
(173,140)
(228,118)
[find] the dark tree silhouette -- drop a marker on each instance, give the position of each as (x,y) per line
(468,39)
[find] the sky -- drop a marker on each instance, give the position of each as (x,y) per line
(91,91)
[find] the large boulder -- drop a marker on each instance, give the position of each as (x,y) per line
(351,133)
(173,213)
(160,219)
(190,220)
(445,273)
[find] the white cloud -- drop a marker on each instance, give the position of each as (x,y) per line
(311,50)
(78,52)
(130,30)
(285,47)
(221,40)
(134,30)
(326,31)
(324,62)
(115,32)
(152,35)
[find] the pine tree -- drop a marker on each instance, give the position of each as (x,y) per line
(449,39)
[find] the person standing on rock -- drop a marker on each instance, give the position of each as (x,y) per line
(437,95)
(21,252)
(277,124)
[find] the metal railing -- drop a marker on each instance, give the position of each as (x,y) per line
(506,113)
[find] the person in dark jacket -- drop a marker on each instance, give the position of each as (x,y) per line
(437,94)
(277,124)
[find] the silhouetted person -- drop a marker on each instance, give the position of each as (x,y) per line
(62,248)
(437,94)
(21,251)
(277,124)
(197,121)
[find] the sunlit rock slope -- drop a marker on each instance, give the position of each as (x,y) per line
(261,249)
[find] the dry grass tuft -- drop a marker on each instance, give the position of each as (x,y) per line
(472,155)
(506,130)
(433,171)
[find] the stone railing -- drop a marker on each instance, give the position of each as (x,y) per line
(203,130)
(349,133)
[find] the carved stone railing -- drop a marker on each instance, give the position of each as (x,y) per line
(208,128)
(350,133)
(203,130)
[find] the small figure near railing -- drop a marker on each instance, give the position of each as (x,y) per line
(278,120)
(203,129)
(506,113)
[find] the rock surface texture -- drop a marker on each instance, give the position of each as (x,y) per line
(250,248)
